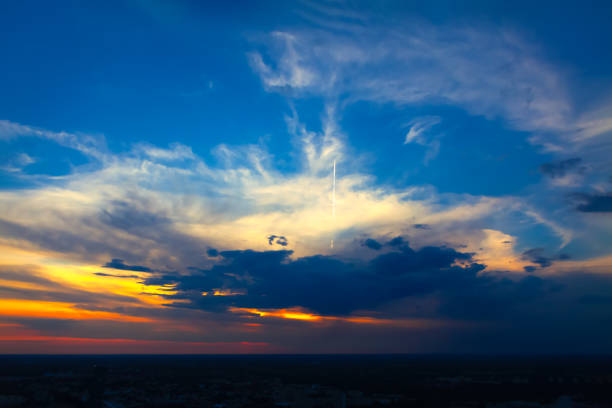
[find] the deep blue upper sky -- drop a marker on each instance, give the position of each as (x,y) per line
(178,71)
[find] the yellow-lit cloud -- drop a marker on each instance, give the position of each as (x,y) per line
(304,315)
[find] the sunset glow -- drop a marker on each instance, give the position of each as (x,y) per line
(305,177)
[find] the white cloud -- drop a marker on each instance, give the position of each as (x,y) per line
(24,159)
(17,163)
(488,72)
(418,127)
(176,151)
(563,233)
(418,133)
(289,71)
(91,145)
(494,72)
(166,211)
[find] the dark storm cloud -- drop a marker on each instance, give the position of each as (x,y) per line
(494,312)
(114,275)
(561,168)
(323,284)
(212,253)
(490,299)
(117,263)
(596,202)
(538,256)
(422,226)
(277,239)
(425,259)
(397,242)
(372,244)
(556,313)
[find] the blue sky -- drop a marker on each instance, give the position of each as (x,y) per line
(477,135)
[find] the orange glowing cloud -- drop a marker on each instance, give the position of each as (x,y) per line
(59,310)
(224,292)
(66,276)
(304,315)
(293,313)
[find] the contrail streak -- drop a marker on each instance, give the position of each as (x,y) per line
(334,192)
(333,201)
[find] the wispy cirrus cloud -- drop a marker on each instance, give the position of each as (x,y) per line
(492,72)
(419,63)
(500,74)
(93,146)
(418,133)
(168,212)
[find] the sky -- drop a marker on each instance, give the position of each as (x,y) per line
(167,177)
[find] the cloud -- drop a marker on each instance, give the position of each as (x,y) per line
(537,256)
(421,226)
(278,240)
(325,285)
(593,203)
(118,264)
(565,234)
(418,127)
(34,284)
(288,72)
(565,173)
(114,275)
(90,145)
(56,240)
(595,124)
(561,168)
(397,242)
(24,159)
(433,283)
(17,163)
(176,152)
(419,63)
(112,209)
(491,72)
(425,259)
(496,73)
(372,244)
(418,133)
(157,212)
